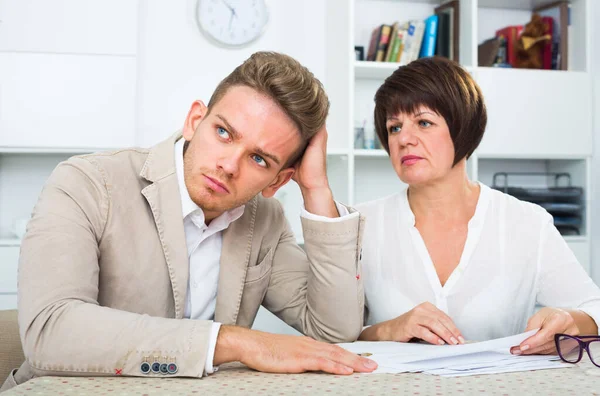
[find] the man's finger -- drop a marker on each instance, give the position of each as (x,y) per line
(357,363)
(329,366)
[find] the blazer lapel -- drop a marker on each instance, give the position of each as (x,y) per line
(235,256)
(165,202)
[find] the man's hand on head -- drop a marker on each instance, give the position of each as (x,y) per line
(311,176)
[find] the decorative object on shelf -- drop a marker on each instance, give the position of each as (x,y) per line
(531,45)
(488,51)
(359,52)
(359,135)
(563,203)
(232,23)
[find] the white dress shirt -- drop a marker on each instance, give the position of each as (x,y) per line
(513,258)
(204,245)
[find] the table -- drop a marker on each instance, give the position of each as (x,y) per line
(235,379)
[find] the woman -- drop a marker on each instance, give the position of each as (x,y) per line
(449,259)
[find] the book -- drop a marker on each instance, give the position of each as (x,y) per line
(452,11)
(547,51)
(444,36)
(429,37)
(384,40)
(511,35)
(398,45)
(375,34)
(392,42)
(409,40)
(418,43)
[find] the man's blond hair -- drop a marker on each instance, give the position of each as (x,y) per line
(292,86)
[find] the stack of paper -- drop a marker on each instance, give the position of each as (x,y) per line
(486,357)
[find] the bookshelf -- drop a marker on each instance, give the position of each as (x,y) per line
(549,122)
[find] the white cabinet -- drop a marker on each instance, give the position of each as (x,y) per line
(69,26)
(538,114)
(52,100)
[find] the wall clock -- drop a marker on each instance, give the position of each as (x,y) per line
(232,23)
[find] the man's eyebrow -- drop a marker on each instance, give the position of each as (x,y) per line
(230,129)
(237,135)
(265,154)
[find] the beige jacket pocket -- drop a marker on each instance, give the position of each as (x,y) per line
(262,269)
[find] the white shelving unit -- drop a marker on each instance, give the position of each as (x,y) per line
(63,91)
(538,120)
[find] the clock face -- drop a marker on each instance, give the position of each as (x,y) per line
(232,23)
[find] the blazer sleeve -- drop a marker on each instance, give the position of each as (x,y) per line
(319,290)
(63,328)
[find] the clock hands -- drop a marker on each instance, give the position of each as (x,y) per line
(233,14)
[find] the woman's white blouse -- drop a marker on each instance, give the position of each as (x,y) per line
(513,258)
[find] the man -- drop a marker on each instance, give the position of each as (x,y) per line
(155,262)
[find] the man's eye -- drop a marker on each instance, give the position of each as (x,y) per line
(222,133)
(259,160)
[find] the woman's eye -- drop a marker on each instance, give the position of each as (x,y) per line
(222,133)
(259,160)
(395,129)
(424,123)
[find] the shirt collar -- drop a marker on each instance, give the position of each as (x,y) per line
(189,207)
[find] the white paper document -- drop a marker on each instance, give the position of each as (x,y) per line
(486,357)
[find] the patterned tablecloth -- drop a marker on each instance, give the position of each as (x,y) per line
(583,379)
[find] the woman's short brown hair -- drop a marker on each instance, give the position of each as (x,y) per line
(292,86)
(443,86)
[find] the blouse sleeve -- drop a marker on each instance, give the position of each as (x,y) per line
(562,282)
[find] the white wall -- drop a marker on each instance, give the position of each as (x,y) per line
(177,64)
(594,204)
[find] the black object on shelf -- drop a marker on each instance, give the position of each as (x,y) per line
(564,203)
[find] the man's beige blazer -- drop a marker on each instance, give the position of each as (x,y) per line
(103,271)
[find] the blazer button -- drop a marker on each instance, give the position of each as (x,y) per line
(156,368)
(172,368)
(164,369)
(145,368)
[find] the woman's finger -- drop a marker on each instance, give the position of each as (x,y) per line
(439,329)
(448,323)
(427,335)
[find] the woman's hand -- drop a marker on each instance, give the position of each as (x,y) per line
(425,322)
(550,321)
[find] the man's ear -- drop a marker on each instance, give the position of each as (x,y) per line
(282,178)
(195,115)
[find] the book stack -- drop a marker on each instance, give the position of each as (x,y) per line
(405,42)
